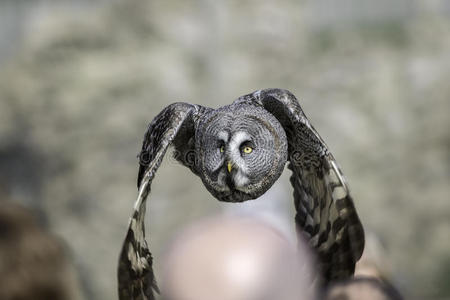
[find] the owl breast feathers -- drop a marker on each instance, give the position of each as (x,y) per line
(239,151)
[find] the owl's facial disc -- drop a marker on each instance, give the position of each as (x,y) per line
(242,153)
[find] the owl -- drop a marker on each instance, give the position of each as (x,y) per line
(239,151)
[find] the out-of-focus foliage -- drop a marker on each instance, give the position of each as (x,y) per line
(79,87)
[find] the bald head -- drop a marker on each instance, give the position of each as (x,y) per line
(235,259)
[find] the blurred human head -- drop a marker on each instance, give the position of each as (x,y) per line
(236,258)
(33,265)
(358,288)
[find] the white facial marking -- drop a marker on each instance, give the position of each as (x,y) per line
(240,179)
(235,152)
(223,135)
(237,139)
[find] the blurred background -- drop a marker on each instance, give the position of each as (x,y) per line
(80,80)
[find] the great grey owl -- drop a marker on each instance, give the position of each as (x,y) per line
(239,151)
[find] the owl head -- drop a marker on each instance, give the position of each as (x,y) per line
(240,152)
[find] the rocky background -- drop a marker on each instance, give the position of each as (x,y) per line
(80,80)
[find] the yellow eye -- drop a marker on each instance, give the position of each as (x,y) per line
(248,149)
(222,149)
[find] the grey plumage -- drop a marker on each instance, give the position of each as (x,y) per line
(239,151)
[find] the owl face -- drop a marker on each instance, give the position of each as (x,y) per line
(241,152)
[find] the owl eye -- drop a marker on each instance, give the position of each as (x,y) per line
(247,149)
(222,149)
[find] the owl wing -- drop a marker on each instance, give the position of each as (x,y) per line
(135,274)
(325,212)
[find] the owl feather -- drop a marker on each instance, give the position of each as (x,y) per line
(135,273)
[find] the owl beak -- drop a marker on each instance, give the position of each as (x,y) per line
(229,167)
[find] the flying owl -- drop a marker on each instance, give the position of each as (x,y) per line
(239,151)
